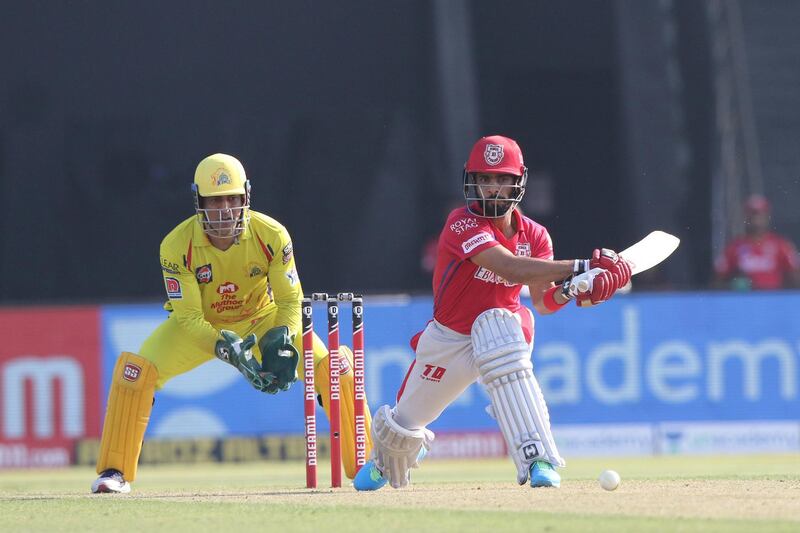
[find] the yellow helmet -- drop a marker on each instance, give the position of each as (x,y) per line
(221,175)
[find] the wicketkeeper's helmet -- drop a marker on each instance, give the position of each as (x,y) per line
(496,155)
(221,175)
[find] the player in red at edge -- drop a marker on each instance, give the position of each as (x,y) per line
(760,259)
(487,250)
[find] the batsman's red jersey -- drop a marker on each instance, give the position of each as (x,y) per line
(461,289)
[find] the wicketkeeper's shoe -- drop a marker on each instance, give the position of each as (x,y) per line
(544,475)
(111,481)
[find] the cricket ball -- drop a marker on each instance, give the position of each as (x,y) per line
(609,479)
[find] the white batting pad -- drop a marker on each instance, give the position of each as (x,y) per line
(396,448)
(503,360)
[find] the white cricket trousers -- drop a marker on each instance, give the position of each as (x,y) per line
(443,369)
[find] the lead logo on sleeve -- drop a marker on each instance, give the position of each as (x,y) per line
(493,154)
(476,241)
(174,291)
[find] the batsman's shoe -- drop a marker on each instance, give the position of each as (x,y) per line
(544,475)
(111,481)
(369,477)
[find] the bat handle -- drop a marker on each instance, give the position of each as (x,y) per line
(583,285)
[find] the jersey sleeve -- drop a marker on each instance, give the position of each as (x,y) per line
(285,282)
(465,235)
(184,299)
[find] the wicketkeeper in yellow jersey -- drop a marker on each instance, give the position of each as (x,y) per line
(234,293)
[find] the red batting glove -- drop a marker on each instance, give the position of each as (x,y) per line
(611,261)
(604,285)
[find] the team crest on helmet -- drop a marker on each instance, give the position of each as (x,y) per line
(220,177)
(493,154)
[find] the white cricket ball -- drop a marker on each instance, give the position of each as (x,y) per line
(609,479)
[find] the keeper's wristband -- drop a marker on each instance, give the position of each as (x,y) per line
(550,301)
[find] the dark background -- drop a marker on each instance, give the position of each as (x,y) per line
(353,120)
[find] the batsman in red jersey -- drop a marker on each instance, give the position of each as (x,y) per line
(481,331)
(760,259)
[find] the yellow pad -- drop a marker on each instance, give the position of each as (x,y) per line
(346,407)
(130,400)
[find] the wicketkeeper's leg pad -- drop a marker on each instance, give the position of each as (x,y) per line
(346,407)
(130,400)
(503,359)
(397,448)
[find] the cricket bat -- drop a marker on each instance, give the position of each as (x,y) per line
(645,254)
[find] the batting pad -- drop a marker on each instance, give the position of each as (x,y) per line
(130,400)
(346,407)
(397,448)
(503,360)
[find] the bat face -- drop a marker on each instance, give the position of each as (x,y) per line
(650,251)
(643,255)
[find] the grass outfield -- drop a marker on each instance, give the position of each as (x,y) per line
(657,494)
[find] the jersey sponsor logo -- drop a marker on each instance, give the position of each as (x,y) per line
(475,241)
(174,291)
(131,372)
(462,225)
(291,275)
(524,249)
(287,253)
(203,274)
(433,373)
(228,287)
(484,274)
(168,266)
(493,154)
(228,300)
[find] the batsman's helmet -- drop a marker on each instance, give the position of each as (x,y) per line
(221,175)
(496,155)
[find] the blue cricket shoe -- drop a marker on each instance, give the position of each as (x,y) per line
(370,478)
(544,475)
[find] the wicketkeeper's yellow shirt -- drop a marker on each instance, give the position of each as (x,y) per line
(209,288)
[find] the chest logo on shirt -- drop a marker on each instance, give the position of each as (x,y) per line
(484,274)
(475,241)
(228,300)
(203,274)
(493,154)
(228,287)
(460,226)
(254,270)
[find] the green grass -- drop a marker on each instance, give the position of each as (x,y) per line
(447,496)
